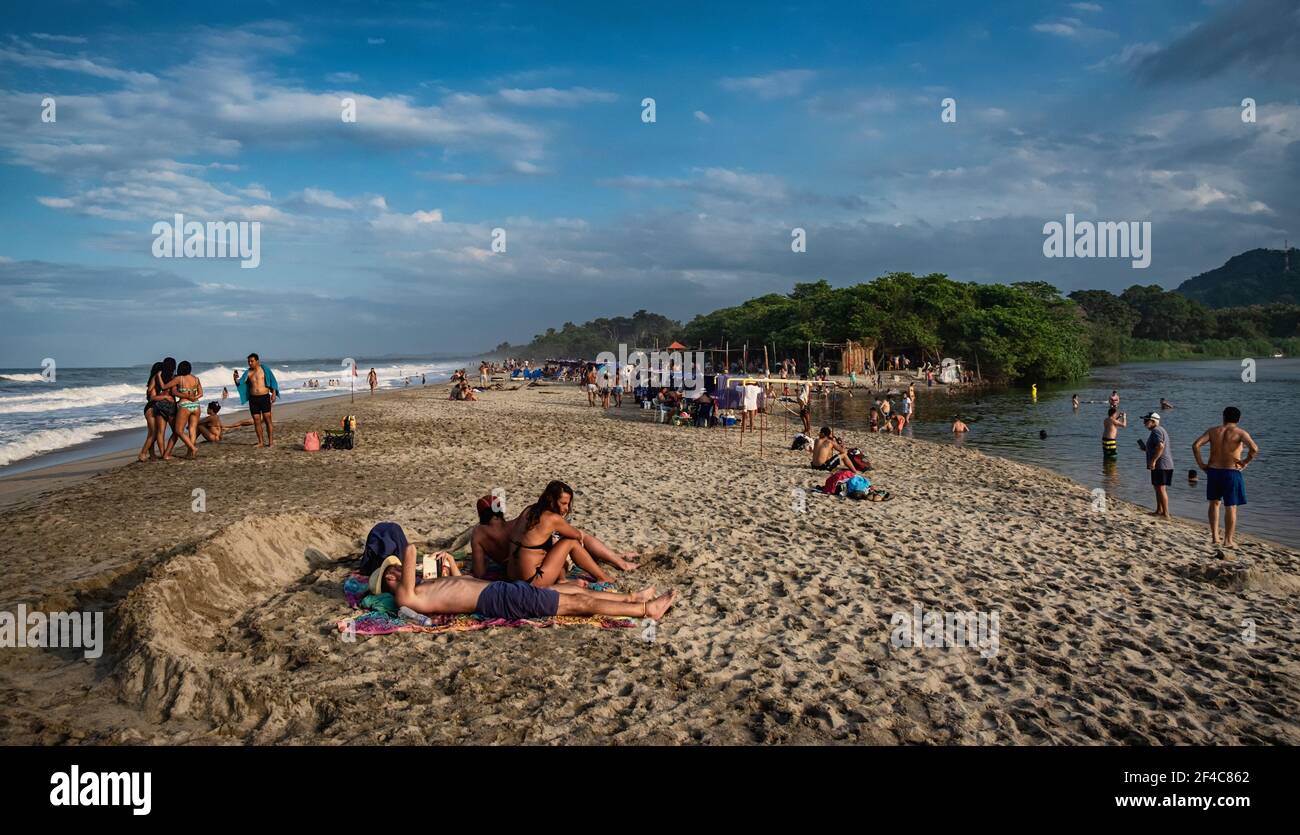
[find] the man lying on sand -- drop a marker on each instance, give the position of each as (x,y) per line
(509,599)
(538,556)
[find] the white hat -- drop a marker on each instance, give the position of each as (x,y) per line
(1152,416)
(377,576)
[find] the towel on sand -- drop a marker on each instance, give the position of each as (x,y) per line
(379,613)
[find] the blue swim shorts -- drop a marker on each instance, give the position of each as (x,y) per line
(1226,486)
(517,600)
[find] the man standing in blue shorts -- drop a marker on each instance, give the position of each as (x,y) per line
(1225,484)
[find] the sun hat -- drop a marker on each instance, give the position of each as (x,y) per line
(377,576)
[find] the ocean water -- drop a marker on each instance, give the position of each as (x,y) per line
(1007,422)
(40,418)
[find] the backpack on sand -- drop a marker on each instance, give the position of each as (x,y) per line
(311,442)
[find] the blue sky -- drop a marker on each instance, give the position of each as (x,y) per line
(376,234)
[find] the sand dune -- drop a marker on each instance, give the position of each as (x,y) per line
(1114,628)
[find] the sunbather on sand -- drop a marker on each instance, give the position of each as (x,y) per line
(541,540)
(456,594)
(829,454)
(211,426)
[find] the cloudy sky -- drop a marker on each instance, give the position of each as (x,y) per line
(376,234)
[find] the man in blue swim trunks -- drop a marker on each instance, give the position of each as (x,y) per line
(513,600)
(1225,484)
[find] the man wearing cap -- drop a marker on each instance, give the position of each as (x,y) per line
(456,594)
(490,538)
(1160,461)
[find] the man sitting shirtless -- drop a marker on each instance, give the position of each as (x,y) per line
(509,599)
(829,454)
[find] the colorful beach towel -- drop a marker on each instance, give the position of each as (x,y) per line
(378,613)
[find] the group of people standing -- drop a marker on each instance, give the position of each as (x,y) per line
(1224,484)
(172,400)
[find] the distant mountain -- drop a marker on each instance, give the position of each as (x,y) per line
(1255,277)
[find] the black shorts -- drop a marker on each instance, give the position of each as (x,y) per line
(259,404)
(1162,478)
(165,409)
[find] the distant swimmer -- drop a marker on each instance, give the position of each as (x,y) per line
(1042,434)
(1165,405)
(959,427)
(1114,398)
(1033,391)
(1074,402)
(1224,483)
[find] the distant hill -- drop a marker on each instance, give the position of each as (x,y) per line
(1254,277)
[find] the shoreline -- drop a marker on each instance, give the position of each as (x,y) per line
(30,480)
(1115,628)
(29,484)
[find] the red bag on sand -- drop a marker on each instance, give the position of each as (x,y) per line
(833,482)
(311,443)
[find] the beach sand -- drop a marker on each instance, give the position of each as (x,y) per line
(1113,627)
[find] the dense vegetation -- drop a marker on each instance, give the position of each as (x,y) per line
(1023,331)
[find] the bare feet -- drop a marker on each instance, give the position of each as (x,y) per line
(656,608)
(624,561)
(647,593)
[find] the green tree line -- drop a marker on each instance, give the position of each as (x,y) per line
(1021,331)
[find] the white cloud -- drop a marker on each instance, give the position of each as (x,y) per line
(773,85)
(324,198)
(552,97)
(58,38)
(1086,7)
(701,116)
(343,78)
(1072,28)
(1128,57)
(525,167)
(32,57)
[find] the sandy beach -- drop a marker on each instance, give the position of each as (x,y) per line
(1114,628)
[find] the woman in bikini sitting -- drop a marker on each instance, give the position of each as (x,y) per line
(541,540)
